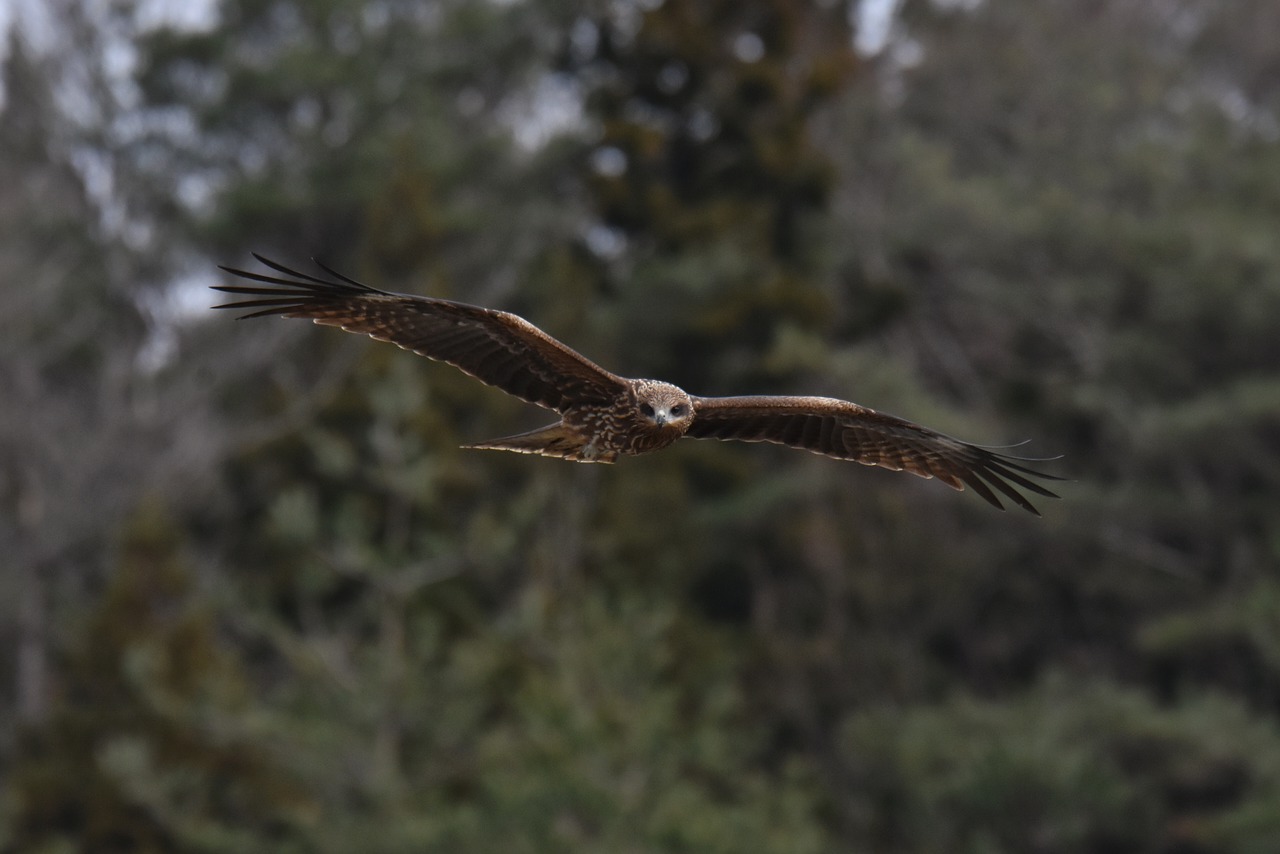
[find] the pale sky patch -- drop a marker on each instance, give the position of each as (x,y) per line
(873,23)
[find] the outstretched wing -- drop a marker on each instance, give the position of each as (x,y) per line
(495,347)
(846,431)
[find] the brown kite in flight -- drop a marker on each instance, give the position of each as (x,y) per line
(604,416)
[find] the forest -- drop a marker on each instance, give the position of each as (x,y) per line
(257,597)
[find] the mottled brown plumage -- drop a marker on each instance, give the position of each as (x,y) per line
(604,416)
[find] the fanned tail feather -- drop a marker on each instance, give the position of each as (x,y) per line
(554,440)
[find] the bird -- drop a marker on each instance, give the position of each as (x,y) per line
(604,416)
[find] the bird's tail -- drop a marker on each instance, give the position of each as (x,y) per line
(554,440)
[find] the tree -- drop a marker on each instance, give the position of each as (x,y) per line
(149,747)
(70,341)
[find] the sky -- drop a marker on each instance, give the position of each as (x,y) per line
(35,16)
(874,24)
(6,21)
(874,17)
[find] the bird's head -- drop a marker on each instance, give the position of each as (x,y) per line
(664,405)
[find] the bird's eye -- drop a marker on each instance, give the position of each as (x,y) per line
(678,409)
(647,410)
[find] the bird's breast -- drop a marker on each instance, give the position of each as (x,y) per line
(620,430)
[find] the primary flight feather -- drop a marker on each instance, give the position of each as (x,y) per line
(604,416)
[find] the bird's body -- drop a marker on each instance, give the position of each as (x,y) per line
(604,416)
(594,432)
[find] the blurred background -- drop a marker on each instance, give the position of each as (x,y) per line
(254,598)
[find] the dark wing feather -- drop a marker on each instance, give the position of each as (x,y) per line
(846,431)
(495,347)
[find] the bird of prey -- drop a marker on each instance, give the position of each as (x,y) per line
(604,416)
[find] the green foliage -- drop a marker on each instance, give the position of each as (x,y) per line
(153,745)
(708,109)
(1232,644)
(586,727)
(1066,767)
(623,741)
